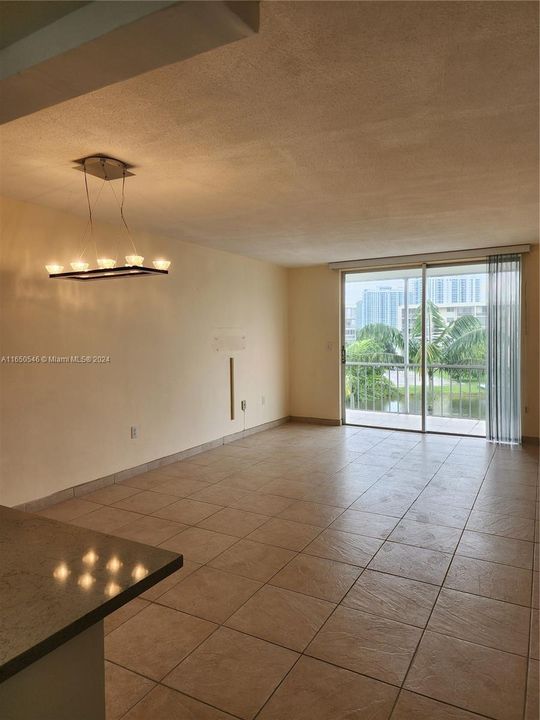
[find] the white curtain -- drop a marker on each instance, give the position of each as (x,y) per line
(504,349)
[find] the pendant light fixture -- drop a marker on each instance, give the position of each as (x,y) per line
(107,169)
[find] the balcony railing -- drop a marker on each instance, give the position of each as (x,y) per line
(452,391)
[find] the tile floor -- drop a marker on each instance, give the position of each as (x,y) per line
(404,421)
(331,573)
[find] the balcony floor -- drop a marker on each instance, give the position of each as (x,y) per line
(402,421)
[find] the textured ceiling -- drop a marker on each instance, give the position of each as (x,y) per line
(341,130)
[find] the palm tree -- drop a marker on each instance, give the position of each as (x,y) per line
(460,342)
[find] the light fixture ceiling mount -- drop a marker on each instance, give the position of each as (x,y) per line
(106,169)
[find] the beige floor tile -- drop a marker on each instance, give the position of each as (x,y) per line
(513,490)
(111,494)
(311,513)
(210,594)
(500,582)
(506,506)
(535,635)
(393,501)
(285,533)
(69,509)
(270,505)
(123,689)
(496,624)
(155,640)
(289,488)
(425,535)
(150,530)
(365,643)
(363,523)
(233,522)
(437,514)
(411,562)
(233,671)
(183,469)
(198,545)
(281,616)
(163,703)
(107,519)
(182,487)
(169,582)
(244,480)
(532,705)
(506,525)
(146,502)
(536,590)
(321,578)
(127,611)
(339,495)
(314,690)
(253,560)
(187,511)
(473,677)
(494,548)
(411,706)
(344,547)
(392,597)
(219,495)
(144,481)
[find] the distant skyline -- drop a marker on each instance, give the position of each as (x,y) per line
(379,301)
(354,290)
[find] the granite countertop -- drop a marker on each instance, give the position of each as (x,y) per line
(57,580)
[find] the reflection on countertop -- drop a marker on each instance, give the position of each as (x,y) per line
(56,580)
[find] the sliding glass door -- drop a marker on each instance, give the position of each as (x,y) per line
(382,376)
(456,349)
(414,348)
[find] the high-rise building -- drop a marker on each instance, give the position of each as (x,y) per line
(384,303)
(379,306)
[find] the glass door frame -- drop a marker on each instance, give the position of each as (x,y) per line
(423,267)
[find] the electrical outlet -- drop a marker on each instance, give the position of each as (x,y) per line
(243,405)
(263,400)
(134,432)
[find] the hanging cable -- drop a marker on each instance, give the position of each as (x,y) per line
(121,206)
(89,223)
(92,236)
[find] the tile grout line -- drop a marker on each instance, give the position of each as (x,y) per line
(531,617)
(268,581)
(333,612)
(322,530)
(402,687)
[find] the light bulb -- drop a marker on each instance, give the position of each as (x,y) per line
(161,264)
(139,572)
(90,558)
(134,259)
(54,268)
(61,571)
(79,266)
(86,581)
(106,263)
(112,589)
(114,564)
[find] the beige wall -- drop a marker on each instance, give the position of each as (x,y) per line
(314,320)
(62,425)
(314,349)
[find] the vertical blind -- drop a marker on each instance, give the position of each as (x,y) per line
(504,349)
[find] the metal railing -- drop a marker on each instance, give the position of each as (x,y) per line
(455,391)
